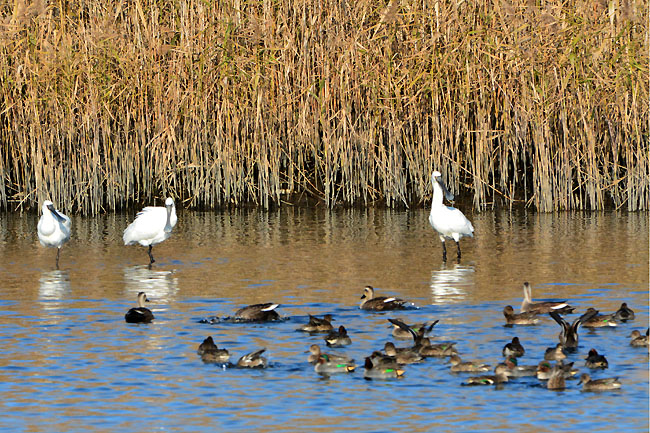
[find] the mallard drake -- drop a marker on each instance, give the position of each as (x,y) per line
(501,374)
(405,334)
(569,334)
(315,354)
(458,366)
(326,366)
(211,354)
(318,325)
(556,381)
(427,349)
(139,314)
(639,340)
(596,360)
(514,348)
(525,318)
(253,360)
(599,320)
(544,370)
(543,307)
(555,353)
(607,384)
(381,370)
(380,303)
(402,355)
(338,338)
(258,313)
(624,313)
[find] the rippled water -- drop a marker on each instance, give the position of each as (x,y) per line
(70,362)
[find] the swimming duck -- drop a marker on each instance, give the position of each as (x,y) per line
(639,340)
(318,325)
(599,320)
(596,360)
(253,360)
(405,334)
(624,313)
(381,303)
(381,370)
(543,307)
(326,366)
(427,349)
(544,370)
(600,384)
(525,318)
(258,313)
(211,354)
(569,334)
(139,314)
(556,381)
(555,353)
(402,355)
(514,348)
(517,370)
(315,354)
(449,222)
(501,374)
(338,338)
(458,366)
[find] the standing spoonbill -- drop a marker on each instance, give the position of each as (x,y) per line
(53,228)
(449,222)
(151,226)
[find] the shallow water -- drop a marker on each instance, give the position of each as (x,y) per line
(70,362)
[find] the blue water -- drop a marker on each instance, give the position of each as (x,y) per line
(69,362)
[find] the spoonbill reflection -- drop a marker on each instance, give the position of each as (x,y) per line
(449,222)
(53,228)
(152,225)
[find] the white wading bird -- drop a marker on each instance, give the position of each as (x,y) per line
(53,228)
(152,225)
(449,222)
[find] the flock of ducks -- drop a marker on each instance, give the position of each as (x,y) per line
(391,361)
(153,225)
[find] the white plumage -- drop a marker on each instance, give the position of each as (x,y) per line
(449,222)
(152,225)
(53,228)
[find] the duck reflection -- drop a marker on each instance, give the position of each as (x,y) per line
(159,285)
(53,286)
(450,283)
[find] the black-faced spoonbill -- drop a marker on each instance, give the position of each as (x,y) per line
(449,222)
(152,225)
(53,228)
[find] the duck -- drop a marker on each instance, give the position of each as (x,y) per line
(380,303)
(514,348)
(449,222)
(599,320)
(253,360)
(315,354)
(639,340)
(525,318)
(427,349)
(402,355)
(326,366)
(258,313)
(542,307)
(556,381)
(405,334)
(607,384)
(139,314)
(555,353)
(500,375)
(596,360)
(53,228)
(569,334)
(211,354)
(381,370)
(624,313)
(317,325)
(338,338)
(517,370)
(152,225)
(459,366)
(544,370)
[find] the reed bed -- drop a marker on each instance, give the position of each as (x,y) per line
(230,103)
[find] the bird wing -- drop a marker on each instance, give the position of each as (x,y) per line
(148,224)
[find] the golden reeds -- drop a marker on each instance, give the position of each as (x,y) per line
(227,103)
